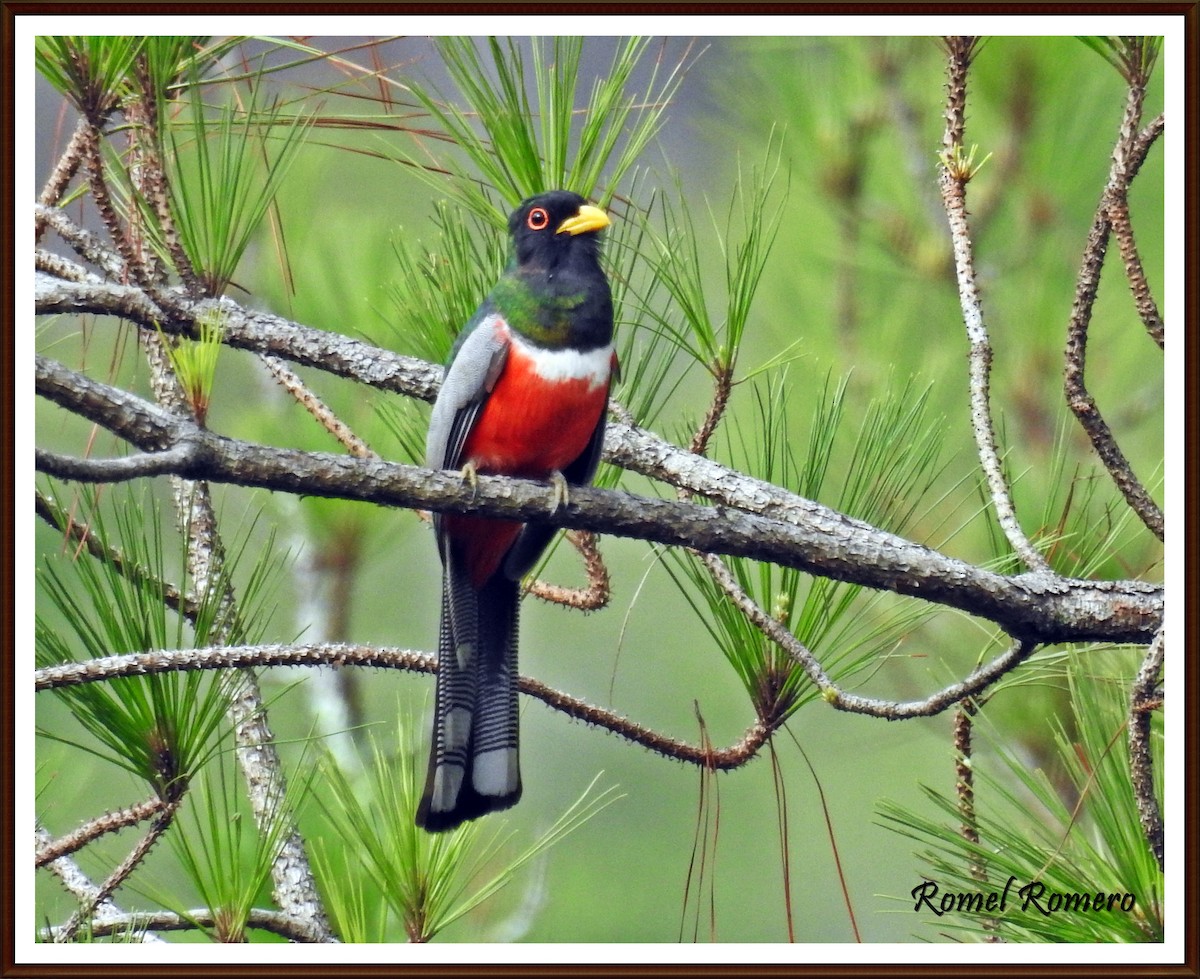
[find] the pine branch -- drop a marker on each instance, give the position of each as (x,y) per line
(1144,698)
(79,886)
(1037,607)
(955,172)
(110,822)
(134,922)
(341,655)
(1127,158)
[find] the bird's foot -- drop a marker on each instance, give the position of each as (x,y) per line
(562,492)
(470,476)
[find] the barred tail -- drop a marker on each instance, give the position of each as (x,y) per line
(473,763)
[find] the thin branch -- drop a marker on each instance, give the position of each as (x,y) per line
(1038,607)
(291,382)
(1144,698)
(146,140)
(64,268)
(955,172)
(64,170)
(596,594)
(79,886)
(168,462)
(722,387)
(110,822)
(48,509)
(972,685)
(340,655)
(335,655)
(276,922)
(723,759)
(85,244)
(119,873)
(94,161)
(1122,229)
(964,788)
(1128,155)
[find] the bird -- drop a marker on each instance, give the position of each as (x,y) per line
(525,394)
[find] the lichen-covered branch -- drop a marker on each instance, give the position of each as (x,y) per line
(955,172)
(83,889)
(1128,155)
(1037,607)
(110,822)
(1144,698)
(343,655)
(143,923)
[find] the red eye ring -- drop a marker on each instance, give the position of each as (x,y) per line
(538,220)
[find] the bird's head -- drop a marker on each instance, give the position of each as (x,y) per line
(555,229)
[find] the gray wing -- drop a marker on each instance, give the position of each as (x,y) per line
(470,376)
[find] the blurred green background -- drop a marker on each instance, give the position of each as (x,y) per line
(861,280)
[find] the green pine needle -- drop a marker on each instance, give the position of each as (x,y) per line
(92,72)
(516,143)
(224,176)
(427,880)
(744,239)
(161,728)
(890,464)
(195,361)
(1089,843)
(224,855)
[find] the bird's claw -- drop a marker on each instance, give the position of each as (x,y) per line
(470,476)
(562,493)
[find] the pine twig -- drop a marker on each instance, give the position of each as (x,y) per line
(1122,229)
(124,923)
(598,591)
(64,170)
(340,655)
(722,387)
(110,822)
(955,173)
(964,788)
(158,827)
(94,160)
(79,886)
(291,382)
(63,268)
(85,244)
(1128,155)
(1144,698)
(146,140)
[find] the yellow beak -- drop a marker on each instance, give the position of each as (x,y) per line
(587,218)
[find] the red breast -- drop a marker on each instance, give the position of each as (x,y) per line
(537,420)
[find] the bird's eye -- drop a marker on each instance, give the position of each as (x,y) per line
(538,219)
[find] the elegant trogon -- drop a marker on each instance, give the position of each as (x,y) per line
(525,394)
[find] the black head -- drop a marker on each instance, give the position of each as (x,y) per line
(555,229)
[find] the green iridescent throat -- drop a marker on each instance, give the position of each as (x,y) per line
(544,318)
